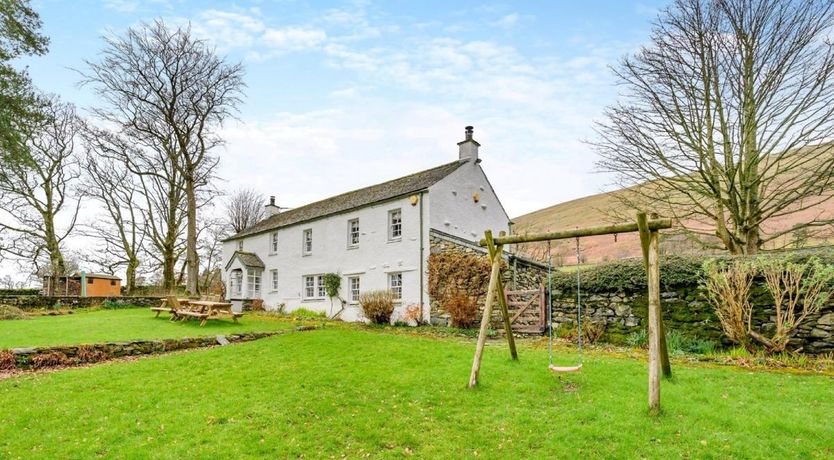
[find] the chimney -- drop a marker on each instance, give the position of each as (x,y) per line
(468,148)
(272,208)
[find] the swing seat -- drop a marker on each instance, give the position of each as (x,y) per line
(564,368)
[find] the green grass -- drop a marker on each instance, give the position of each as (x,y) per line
(338,392)
(118,325)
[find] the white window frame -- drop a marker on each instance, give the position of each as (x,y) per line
(274,274)
(273,243)
(354,291)
(353,235)
(236,283)
(254,283)
(395,285)
(308,286)
(240,245)
(320,288)
(395,227)
(307,242)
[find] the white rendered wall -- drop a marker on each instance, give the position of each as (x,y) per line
(455,211)
(372,260)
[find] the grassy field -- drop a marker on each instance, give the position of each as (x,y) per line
(334,393)
(115,325)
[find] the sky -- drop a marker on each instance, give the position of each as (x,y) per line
(345,94)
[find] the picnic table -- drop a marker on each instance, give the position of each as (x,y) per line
(203,310)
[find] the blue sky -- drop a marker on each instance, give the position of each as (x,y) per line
(344,94)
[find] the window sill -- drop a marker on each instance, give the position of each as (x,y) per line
(306,254)
(311,299)
(395,240)
(355,246)
(272,254)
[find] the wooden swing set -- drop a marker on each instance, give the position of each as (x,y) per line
(649,241)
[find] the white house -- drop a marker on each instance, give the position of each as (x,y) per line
(375,238)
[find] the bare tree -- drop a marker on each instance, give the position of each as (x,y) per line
(725,116)
(38,209)
(171,92)
(121,233)
(244,208)
(211,248)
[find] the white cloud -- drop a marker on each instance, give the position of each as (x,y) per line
(507,22)
(293,38)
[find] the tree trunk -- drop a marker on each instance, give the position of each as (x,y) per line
(130,275)
(191,256)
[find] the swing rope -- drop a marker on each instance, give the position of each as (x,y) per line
(552,367)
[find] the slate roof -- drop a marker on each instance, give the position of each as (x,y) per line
(355,199)
(248,259)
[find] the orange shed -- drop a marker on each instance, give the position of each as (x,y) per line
(85,285)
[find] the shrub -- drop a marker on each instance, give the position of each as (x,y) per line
(452,270)
(256,305)
(332,283)
(111,304)
(89,354)
(727,287)
(305,313)
(10,312)
(413,315)
(462,308)
(20,292)
(591,332)
(51,359)
(629,275)
(377,306)
(638,339)
(7,360)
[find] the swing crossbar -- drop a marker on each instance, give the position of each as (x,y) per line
(655,224)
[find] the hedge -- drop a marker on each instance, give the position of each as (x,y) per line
(628,275)
(21,291)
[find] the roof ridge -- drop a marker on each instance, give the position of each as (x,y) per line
(354,199)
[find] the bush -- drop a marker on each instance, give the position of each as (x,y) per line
(377,306)
(9,312)
(111,304)
(304,313)
(629,275)
(7,360)
(55,358)
(462,308)
(591,332)
(20,292)
(638,339)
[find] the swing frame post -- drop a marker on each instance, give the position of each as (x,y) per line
(495,291)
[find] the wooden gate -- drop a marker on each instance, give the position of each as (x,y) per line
(527,310)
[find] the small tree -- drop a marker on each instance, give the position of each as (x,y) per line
(332,284)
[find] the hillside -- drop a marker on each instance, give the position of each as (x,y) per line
(598,209)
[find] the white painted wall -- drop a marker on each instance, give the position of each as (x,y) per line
(372,260)
(454,211)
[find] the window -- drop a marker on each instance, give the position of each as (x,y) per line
(240,245)
(353,283)
(274,275)
(112,282)
(395,224)
(273,243)
(307,244)
(236,281)
(353,233)
(314,287)
(253,284)
(309,287)
(395,284)
(89,280)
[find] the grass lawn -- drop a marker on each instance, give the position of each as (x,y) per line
(118,325)
(355,392)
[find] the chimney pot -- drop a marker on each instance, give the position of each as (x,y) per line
(272,208)
(272,200)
